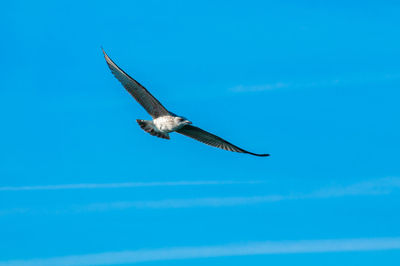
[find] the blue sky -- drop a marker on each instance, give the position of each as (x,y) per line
(314,84)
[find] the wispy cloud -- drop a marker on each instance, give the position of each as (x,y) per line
(127,185)
(181,203)
(181,253)
(255,88)
(375,187)
(372,187)
(352,80)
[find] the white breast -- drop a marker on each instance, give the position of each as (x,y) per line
(166,123)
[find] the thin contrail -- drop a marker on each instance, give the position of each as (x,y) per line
(193,252)
(126,185)
(375,187)
(334,82)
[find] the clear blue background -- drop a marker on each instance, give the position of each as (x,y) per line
(315,84)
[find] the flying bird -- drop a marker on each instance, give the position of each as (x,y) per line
(165,122)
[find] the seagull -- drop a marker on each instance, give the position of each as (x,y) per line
(164,121)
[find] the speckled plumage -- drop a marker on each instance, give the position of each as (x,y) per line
(169,123)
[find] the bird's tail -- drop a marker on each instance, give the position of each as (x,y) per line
(149,127)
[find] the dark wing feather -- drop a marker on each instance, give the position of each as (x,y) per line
(143,96)
(212,140)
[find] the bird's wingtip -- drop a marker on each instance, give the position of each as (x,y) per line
(108,59)
(260,155)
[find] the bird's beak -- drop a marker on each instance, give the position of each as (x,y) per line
(188,122)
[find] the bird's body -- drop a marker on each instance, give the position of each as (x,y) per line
(165,122)
(169,123)
(161,126)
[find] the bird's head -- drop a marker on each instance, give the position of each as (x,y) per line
(182,121)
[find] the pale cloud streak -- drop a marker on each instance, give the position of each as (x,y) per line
(181,203)
(375,187)
(255,88)
(126,185)
(352,80)
(193,252)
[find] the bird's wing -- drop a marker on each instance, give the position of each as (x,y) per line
(143,96)
(212,140)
